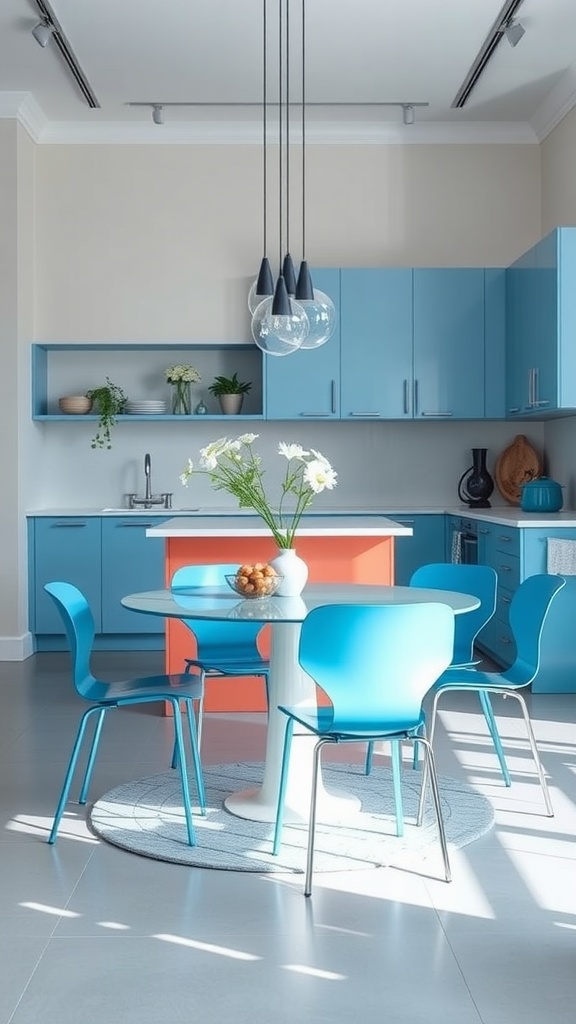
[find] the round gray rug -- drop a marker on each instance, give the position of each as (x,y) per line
(146,817)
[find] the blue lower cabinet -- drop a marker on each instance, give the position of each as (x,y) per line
(67,549)
(131,562)
(425,545)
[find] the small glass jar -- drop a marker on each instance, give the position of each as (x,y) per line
(181,401)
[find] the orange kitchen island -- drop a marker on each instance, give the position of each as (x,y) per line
(336,548)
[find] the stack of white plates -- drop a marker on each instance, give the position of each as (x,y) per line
(145,407)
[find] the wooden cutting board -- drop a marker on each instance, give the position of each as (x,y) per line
(517,464)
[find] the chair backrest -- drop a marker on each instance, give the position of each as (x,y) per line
(529,610)
(234,639)
(376,662)
(479,580)
(79,625)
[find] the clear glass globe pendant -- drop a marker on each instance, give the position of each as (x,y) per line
(279,324)
(319,309)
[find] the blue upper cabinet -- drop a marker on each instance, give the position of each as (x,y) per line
(306,383)
(449,326)
(377,362)
(541,326)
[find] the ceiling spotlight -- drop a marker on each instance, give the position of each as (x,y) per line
(514,31)
(407,113)
(158,113)
(42,32)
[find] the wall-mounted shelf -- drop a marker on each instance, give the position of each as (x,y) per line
(73,369)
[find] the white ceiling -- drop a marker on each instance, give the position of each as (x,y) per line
(360,55)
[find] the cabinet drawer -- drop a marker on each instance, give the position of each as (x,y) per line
(506,538)
(508,569)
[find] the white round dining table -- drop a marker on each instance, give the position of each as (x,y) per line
(288,684)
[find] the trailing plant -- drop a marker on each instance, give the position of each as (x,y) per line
(110,401)
(229,386)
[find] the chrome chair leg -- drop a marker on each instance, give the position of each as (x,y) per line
(312,822)
(430,769)
(534,749)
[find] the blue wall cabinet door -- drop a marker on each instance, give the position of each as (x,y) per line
(495,343)
(131,562)
(306,383)
(377,360)
(449,343)
(66,549)
(541,326)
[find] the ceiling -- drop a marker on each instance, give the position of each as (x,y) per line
(360,56)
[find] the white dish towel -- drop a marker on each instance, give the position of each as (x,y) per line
(456,553)
(561,557)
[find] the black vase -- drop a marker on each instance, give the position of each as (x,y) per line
(476,485)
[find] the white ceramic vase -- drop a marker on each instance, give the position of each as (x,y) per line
(293,570)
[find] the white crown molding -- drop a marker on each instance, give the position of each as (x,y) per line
(557,104)
(24,108)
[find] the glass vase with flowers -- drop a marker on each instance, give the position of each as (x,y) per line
(233,465)
(180,377)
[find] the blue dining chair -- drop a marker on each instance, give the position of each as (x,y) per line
(375,663)
(482,582)
(223,648)
(103,696)
(529,609)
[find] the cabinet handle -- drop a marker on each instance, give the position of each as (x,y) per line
(333,396)
(544,401)
(364,414)
(483,531)
(504,640)
(67,526)
(415,397)
(317,414)
(131,526)
(505,540)
(436,413)
(529,389)
(505,600)
(406,402)
(505,568)
(515,408)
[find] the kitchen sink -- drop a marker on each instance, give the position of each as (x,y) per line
(156,509)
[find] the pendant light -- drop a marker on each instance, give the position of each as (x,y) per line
(263,286)
(279,324)
(318,306)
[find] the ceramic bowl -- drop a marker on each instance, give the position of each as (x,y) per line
(254,585)
(75,404)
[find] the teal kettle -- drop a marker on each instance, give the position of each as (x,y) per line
(541,495)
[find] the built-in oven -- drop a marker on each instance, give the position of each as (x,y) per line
(465,542)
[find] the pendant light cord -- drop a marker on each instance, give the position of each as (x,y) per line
(287,126)
(280,126)
(264,128)
(303,131)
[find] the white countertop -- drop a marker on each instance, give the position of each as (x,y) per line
(253,526)
(505,515)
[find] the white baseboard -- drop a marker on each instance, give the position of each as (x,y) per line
(16,648)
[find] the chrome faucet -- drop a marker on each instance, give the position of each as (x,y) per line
(149,500)
(147,474)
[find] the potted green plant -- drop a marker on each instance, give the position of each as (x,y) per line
(110,401)
(230,393)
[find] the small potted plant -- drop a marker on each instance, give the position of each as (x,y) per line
(230,393)
(110,401)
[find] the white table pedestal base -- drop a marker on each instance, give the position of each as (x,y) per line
(290,686)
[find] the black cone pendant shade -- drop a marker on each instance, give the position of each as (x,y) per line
(265,281)
(304,289)
(281,304)
(289,274)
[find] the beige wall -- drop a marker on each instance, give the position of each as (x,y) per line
(161,243)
